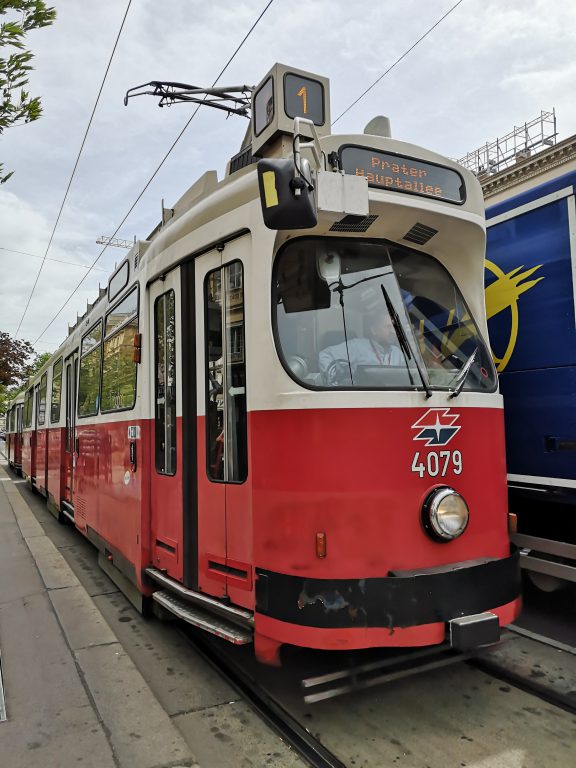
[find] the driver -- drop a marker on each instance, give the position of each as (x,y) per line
(378,347)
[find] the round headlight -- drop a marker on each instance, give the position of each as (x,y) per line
(445,514)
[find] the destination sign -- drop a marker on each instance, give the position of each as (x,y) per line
(398,173)
(263,106)
(303,97)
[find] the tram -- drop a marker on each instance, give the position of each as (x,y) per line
(14,433)
(280,420)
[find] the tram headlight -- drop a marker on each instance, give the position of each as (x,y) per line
(445,514)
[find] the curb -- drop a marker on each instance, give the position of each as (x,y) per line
(139,731)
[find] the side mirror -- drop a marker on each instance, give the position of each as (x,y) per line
(287,202)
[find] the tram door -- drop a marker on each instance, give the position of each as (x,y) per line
(71,377)
(18,435)
(224,526)
(168,540)
(34,433)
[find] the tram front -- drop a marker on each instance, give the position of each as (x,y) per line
(381,516)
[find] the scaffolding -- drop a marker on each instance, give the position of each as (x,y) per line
(520,144)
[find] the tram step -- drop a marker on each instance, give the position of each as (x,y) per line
(212,605)
(68,510)
(199,618)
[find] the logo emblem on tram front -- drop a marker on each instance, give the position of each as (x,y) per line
(436,427)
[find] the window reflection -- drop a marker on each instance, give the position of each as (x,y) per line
(42,392)
(226,374)
(119,367)
(56,391)
(90,366)
(165,386)
(356,314)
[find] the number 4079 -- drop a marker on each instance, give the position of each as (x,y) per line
(437,464)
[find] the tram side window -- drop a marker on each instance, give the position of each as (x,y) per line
(42,392)
(71,369)
(225,374)
(90,365)
(165,382)
(28,409)
(56,391)
(119,368)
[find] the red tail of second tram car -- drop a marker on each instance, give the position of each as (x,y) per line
(281,419)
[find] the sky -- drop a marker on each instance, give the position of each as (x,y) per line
(489,66)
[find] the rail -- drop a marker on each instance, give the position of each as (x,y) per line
(271,711)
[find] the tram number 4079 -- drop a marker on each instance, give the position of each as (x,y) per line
(434,464)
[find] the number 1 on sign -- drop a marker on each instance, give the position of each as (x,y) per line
(302,92)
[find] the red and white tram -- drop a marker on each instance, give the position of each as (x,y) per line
(14,433)
(294,435)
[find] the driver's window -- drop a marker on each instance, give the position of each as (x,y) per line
(367,315)
(335,326)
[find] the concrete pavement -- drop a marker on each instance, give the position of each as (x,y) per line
(73,696)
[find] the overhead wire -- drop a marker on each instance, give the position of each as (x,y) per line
(58,261)
(176,140)
(398,60)
(74,169)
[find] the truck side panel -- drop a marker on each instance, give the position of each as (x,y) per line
(530,303)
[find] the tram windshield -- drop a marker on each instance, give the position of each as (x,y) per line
(362,315)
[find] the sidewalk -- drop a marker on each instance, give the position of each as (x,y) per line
(73,697)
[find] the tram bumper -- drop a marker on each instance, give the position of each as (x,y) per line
(463,602)
(469,632)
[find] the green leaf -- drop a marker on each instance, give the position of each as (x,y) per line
(16,104)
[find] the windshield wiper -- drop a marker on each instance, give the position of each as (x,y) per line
(463,374)
(403,341)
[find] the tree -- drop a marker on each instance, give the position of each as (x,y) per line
(18,108)
(14,359)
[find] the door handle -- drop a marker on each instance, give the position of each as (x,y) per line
(133,455)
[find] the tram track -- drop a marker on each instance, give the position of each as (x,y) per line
(565,701)
(531,681)
(290,727)
(267,707)
(376,721)
(553,643)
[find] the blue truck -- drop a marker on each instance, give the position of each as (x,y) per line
(531,307)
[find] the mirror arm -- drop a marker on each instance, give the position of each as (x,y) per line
(302,166)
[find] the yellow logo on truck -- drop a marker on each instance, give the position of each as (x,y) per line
(504,293)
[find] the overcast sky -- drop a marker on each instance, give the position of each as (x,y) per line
(490,65)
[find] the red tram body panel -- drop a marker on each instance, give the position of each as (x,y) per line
(55,472)
(166,530)
(29,453)
(41,460)
(281,420)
